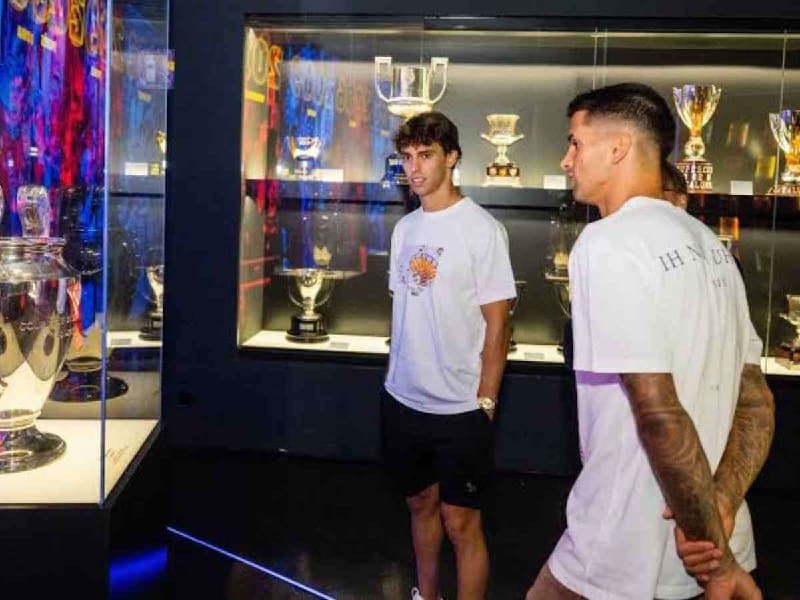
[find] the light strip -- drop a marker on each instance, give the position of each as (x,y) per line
(250,563)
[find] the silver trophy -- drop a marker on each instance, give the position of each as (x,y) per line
(155,317)
(305,151)
(409,95)
(410,85)
(792,348)
(785,127)
(309,289)
(503,171)
(38,300)
(695,105)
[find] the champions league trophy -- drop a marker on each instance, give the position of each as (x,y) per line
(409,95)
(38,302)
(503,171)
(792,315)
(155,318)
(305,152)
(695,105)
(785,127)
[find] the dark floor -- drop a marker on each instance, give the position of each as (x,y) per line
(340,530)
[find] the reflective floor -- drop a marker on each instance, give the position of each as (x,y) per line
(339,530)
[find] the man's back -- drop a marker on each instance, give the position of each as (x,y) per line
(653,290)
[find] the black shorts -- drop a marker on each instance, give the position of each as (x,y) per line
(455,451)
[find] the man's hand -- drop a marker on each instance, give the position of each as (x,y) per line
(700,558)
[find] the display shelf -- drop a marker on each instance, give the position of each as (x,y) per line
(73,478)
(369,344)
(130,339)
(370,192)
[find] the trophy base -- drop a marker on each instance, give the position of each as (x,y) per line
(502,182)
(784,189)
(698,175)
(85,387)
(27,449)
(307,330)
(152,331)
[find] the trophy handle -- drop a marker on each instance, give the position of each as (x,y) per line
(380,62)
(436,63)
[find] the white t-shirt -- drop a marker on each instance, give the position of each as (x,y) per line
(443,266)
(653,291)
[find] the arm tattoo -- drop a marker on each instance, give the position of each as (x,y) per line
(677,458)
(749,439)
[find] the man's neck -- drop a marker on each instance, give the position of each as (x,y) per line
(631,188)
(440,199)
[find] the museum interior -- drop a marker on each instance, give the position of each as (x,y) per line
(197,200)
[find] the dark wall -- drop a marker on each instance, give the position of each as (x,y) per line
(217,396)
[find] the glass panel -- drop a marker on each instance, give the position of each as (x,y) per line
(321,190)
(732,83)
(783,342)
(52,84)
(140,77)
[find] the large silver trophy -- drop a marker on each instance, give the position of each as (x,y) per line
(695,105)
(792,348)
(502,133)
(38,302)
(785,127)
(409,95)
(155,317)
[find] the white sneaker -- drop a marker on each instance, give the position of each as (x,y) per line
(415,595)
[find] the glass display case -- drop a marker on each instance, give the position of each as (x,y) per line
(321,189)
(83,88)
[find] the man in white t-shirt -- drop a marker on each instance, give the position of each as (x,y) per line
(451,282)
(673,408)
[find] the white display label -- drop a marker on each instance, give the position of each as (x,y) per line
(741,188)
(340,345)
(555,182)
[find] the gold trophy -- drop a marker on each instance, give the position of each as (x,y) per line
(695,105)
(792,349)
(503,171)
(785,127)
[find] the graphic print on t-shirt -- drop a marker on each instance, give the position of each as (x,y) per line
(420,269)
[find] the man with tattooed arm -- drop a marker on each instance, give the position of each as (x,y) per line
(673,408)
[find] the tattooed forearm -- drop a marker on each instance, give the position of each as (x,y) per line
(749,439)
(677,458)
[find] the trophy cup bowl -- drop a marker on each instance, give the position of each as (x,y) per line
(695,104)
(792,315)
(503,171)
(305,151)
(151,331)
(33,207)
(785,126)
(37,303)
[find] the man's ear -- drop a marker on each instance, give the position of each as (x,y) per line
(451,159)
(622,144)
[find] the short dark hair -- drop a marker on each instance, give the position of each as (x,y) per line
(427,128)
(672,179)
(634,103)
